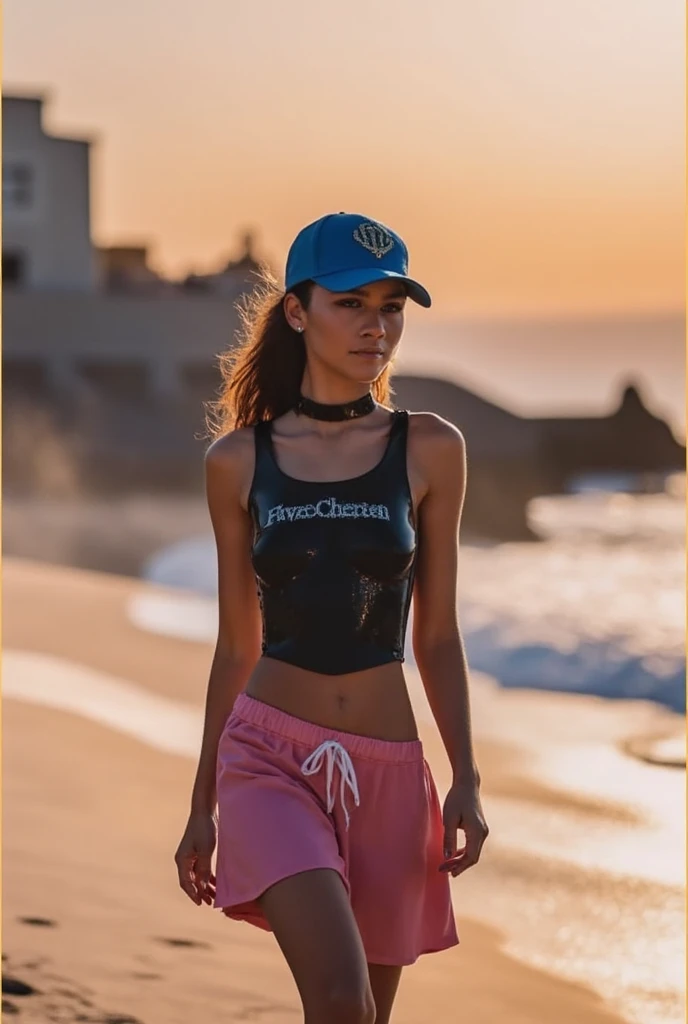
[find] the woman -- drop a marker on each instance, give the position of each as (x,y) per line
(329,511)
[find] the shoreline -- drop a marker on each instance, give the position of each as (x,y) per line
(65,622)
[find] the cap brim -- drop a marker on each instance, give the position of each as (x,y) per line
(345,280)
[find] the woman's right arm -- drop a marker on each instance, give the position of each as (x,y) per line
(239,625)
(228,467)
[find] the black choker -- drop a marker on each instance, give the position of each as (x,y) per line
(341,411)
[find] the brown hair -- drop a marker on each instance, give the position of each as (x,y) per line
(262,374)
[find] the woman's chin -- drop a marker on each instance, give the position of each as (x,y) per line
(366,374)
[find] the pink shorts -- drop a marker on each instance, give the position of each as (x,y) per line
(293,796)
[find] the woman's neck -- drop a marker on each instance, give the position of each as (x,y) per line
(333,396)
(328,391)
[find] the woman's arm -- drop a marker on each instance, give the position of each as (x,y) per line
(437,642)
(228,465)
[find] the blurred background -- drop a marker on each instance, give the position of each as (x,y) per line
(532,156)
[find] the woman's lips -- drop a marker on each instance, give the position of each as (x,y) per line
(369,353)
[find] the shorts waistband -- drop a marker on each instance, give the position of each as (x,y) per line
(257,712)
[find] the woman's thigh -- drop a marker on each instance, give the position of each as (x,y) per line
(311,917)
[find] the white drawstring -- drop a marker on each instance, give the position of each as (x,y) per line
(335,753)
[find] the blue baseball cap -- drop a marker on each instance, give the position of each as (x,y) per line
(342,251)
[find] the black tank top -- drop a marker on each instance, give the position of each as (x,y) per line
(334,562)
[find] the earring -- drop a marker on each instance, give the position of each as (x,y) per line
(299,329)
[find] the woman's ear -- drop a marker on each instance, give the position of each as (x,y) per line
(294,312)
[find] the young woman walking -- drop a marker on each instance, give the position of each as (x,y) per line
(330,512)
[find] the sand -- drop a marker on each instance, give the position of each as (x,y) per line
(94,921)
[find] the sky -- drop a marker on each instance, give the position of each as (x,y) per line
(530,152)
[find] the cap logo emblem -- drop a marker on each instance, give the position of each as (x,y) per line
(374,238)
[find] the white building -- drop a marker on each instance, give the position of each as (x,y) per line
(46,222)
(80,320)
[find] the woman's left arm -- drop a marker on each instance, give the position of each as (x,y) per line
(437,643)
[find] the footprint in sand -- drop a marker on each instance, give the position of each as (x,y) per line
(115,1018)
(77,997)
(184,943)
(59,1003)
(15,987)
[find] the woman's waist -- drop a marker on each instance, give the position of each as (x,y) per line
(372,702)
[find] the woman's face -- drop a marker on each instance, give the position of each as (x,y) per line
(356,333)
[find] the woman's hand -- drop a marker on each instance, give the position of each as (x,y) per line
(193,858)
(462,810)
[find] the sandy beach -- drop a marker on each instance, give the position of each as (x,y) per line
(95,927)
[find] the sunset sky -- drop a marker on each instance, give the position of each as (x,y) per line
(531,152)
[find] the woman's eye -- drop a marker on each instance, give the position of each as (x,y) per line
(391,307)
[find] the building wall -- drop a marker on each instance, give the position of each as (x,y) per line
(46,202)
(68,333)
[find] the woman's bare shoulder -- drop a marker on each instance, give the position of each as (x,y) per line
(434,440)
(231,458)
(230,448)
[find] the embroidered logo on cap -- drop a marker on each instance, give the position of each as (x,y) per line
(374,238)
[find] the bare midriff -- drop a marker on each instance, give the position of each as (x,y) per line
(373,702)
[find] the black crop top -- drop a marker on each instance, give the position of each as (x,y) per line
(334,562)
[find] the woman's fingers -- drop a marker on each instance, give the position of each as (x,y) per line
(202,874)
(196,878)
(468,856)
(202,869)
(204,886)
(187,876)
(188,884)
(449,840)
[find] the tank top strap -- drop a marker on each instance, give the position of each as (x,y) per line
(398,433)
(395,451)
(399,426)
(261,431)
(262,436)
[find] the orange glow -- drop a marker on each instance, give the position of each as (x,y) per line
(530,153)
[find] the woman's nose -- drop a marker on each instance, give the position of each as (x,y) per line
(375,328)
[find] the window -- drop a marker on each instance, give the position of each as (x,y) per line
(18,185)
(13,268)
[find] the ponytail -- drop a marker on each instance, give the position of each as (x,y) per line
(262,375)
